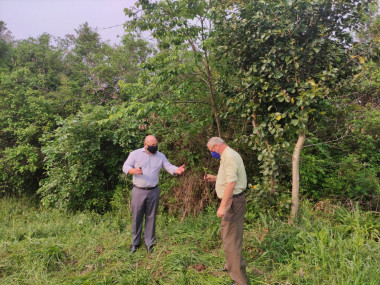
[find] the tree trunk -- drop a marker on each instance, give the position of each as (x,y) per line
(210,82)
(212,94)
(296,174)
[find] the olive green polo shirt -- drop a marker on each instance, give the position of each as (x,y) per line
(231,169)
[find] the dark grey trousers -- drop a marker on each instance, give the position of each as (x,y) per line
(144,203)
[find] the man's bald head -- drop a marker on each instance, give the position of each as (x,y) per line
(150,140)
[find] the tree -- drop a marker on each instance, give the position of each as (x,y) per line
(28,107)
(5,45)
(291,57)
(182,29)
(43,83)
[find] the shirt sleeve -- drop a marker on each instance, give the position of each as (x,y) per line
(167,165)
(231,169)
(129,163)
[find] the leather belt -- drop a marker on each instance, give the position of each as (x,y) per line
(145,188)
(237,195)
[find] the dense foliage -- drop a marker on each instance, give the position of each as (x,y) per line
(289,60)
(257,73)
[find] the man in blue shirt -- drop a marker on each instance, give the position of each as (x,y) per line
(145,164)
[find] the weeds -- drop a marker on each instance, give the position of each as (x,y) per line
(51,247)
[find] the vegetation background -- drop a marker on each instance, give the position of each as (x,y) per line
(266,76)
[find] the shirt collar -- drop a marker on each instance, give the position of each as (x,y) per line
(224,152)
(144,150)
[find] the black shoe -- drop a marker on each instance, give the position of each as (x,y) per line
(134,248)
(224,269)
(149,248)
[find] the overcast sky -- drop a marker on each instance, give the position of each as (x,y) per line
(31,18)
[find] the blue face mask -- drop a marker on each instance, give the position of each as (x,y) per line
(216,155)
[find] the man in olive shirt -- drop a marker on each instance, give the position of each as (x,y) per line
(231,182)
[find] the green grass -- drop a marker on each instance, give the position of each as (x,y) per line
(39,246)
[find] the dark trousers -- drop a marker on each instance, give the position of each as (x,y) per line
(232,239)
(144,203)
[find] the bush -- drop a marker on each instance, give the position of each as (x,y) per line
(84,157)
(347,167)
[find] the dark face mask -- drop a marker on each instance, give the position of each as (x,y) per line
(152,148)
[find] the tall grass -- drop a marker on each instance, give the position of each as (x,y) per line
(39,246)
(337,248)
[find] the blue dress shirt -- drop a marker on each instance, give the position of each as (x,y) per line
(150,164)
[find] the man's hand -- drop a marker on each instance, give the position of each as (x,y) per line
(209,178)
(135,171)
(180,170)
(221,211)
(227,196)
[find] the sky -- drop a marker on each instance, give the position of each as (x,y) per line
(32,18)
